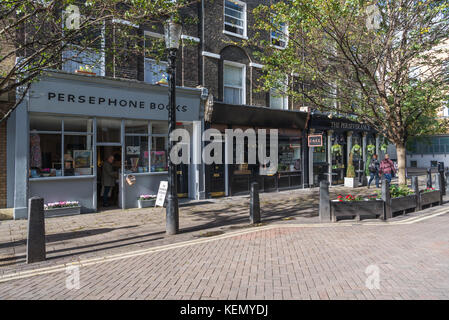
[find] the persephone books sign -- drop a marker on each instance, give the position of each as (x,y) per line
(315,140)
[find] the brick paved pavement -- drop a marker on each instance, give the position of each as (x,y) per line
(273,262)
(91,235)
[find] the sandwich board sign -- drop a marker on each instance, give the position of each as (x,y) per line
(161,194)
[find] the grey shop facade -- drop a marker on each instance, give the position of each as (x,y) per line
(59,136)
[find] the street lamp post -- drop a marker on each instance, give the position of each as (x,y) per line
(172,37)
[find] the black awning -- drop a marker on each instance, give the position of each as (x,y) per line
(256,116)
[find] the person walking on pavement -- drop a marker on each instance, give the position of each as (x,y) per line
(107,179)
(387,168)
(373,168)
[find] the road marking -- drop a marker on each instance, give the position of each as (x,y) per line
(136,253)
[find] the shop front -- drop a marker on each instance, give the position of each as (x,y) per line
(236,178)
(61,135)
(339,135)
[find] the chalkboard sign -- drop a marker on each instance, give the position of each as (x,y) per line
(315,140)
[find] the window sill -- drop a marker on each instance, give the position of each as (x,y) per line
(145,173)
(235,35)
(62,178)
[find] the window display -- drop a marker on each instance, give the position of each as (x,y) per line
(136,154)
(54,153)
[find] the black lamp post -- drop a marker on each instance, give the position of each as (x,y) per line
(172,37)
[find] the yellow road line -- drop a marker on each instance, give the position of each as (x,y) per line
(136,253)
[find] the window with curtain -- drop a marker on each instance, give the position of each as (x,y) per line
(233,83)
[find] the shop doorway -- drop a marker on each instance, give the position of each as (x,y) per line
(104,184)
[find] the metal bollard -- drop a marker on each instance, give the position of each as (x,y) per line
(439,186)
(36,230)
(386,197)
(325,206)
(443,180)
(254,209)
(429,178)
(415,187)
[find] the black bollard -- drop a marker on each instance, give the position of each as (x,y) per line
(438,186)
(325,206)
(429,178)
(386,197)
(415,187)
(443,180)
(254,209)
(36,230)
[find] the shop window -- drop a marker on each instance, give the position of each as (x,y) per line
(233,83)
(158,154)
(108,130)
(136,155)
(160,127)
(45,123)
(78,125)
(289,154)
(54,153)
(77,155)
(136,127)
(235,17)
(45,155)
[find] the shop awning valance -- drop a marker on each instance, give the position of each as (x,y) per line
(241,115)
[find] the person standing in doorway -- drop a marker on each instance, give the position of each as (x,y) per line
(374,168)
(387,168)
(107,179)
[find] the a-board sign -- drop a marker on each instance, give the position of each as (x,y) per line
(161,193)
(315,140)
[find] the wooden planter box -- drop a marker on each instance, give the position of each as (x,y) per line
(357,209)
(403,203)
(60,212)
(431,197)
(146,203)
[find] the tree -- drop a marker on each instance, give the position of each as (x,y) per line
(380,63)
(37,35)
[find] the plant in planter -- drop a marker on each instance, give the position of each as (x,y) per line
(356,206)
(146,200)
(350,179)
(62,208)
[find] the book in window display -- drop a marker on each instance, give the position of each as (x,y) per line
(158,161)
(82,161)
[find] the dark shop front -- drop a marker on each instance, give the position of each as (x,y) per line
(234,179)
